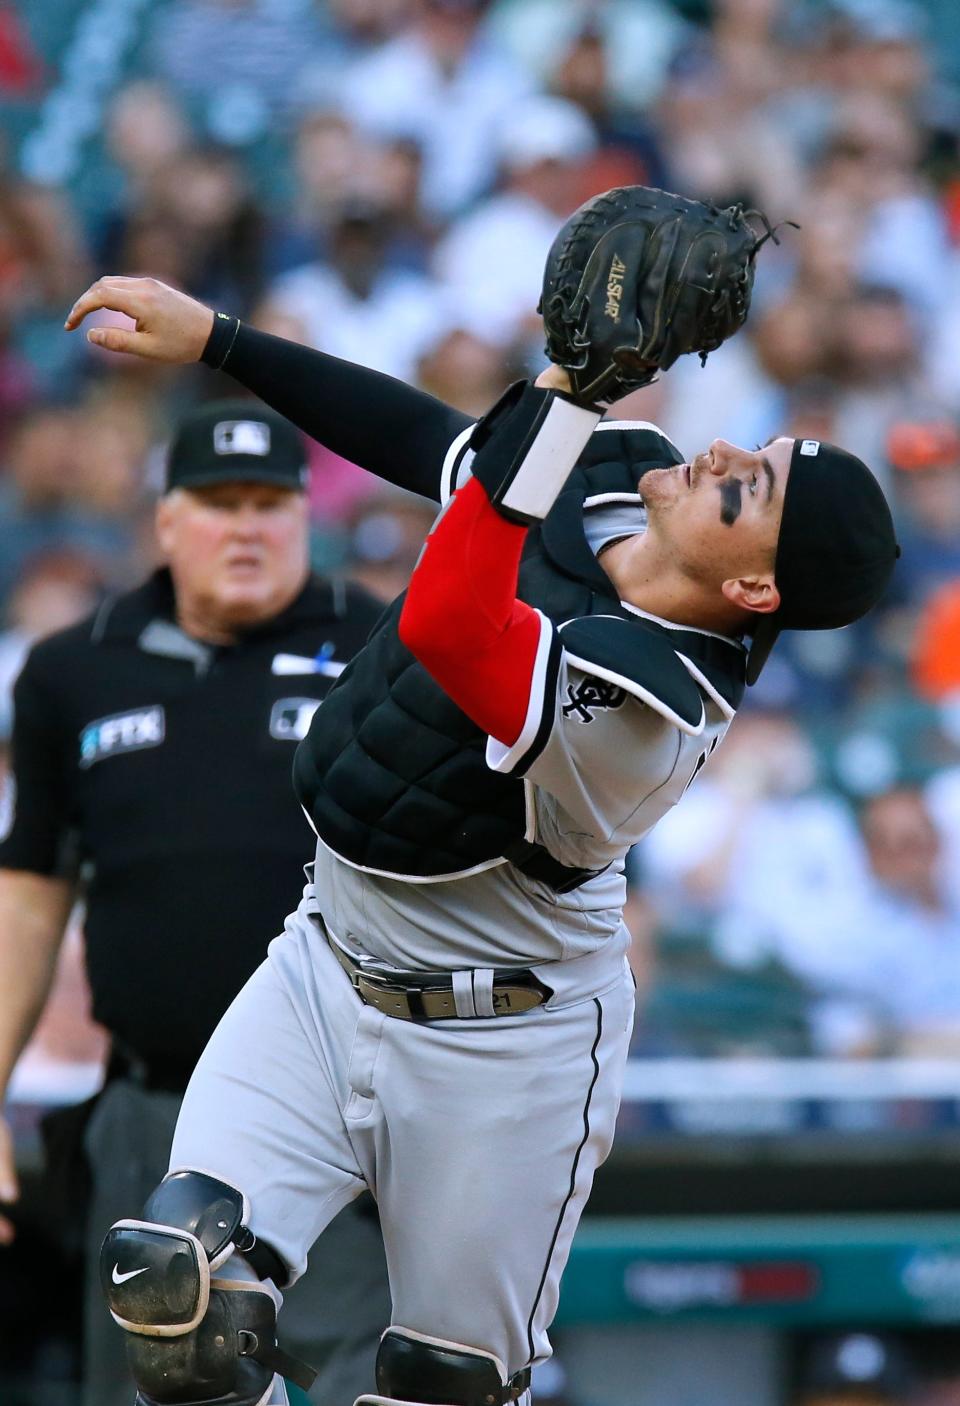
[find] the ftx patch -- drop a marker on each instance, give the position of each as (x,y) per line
(122,732)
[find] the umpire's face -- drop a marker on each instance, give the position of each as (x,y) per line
(238,553)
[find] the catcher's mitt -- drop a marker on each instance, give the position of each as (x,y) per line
(635,278)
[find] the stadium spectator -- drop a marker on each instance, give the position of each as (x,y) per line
(936,652)
(331,165)
(355,305)
(636,38)
(18,383)
(41,509)
(386,538)
(924,452)
(145,129)
(743,393)
(446,84)
(202,195)
(41,248)
(876,361)
(883,47)
(490,262)
(825,247)
(41,254)
(53,591)
(896,988)
(259,48)
(765,862)
(369,22)
(872,159)
(719,141)
(465,370)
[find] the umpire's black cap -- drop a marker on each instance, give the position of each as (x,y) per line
(236,441)
(836,548)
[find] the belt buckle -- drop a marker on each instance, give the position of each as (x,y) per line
(362,972)
(381,983)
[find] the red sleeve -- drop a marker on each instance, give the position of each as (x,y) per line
(462,618)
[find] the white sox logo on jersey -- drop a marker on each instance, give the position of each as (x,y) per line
(122,732)
(589,695)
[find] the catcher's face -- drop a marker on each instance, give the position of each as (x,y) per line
(719,517)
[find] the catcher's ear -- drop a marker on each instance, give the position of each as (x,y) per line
(757,593)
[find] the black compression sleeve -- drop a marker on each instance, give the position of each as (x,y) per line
(398,433)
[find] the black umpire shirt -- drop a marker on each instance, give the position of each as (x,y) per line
(158,769)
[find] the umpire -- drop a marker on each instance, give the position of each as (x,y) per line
(152,752)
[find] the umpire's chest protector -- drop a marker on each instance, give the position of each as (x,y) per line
(392,774)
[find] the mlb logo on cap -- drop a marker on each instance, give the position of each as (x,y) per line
(241,437)
(236,441)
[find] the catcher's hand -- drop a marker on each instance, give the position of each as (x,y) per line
(170,326)
(636,278)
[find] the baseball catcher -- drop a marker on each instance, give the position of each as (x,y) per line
(446,1016)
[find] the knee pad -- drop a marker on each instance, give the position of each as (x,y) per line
(193,1337)
(432,1372)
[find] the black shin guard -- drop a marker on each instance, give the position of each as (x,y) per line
(422,1371)
(213,1362)
(194,1338)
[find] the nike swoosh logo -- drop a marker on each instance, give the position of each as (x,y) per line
(119,1278)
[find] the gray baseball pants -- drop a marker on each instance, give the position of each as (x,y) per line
(479,1137)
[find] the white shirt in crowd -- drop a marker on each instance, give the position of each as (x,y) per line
(491,263)
(401,91)
(388,331)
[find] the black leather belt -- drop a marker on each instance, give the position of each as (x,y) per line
(423,995)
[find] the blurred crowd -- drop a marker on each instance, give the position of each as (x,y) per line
(382,179)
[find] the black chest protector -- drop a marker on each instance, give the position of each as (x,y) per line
(393,775)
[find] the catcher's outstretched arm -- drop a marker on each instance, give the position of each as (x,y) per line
(396,432)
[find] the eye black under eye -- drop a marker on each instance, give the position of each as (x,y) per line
(730,504)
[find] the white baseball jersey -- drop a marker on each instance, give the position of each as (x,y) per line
(614,762)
